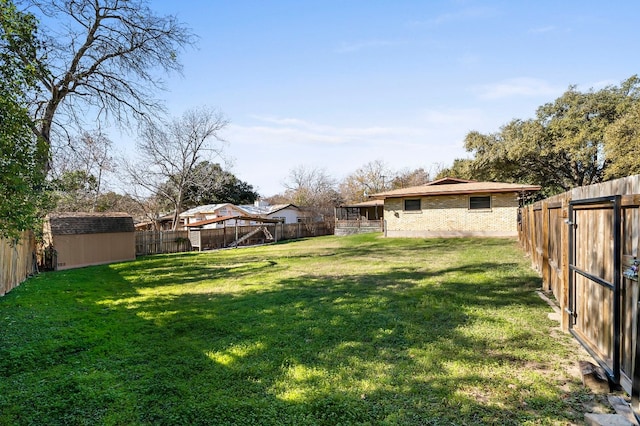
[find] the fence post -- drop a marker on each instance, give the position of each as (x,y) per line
(635,364)
(564,282)
(532,236)
(546,276)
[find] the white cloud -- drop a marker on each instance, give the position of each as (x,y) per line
(266,148)
(517,87)
(297,131)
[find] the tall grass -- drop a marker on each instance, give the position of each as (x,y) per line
(355,330)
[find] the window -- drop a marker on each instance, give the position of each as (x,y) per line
(412,205)
(480,203)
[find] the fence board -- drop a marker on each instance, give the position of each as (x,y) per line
(157,242)
(17,261)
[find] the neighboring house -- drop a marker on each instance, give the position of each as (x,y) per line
(82,239)
(227,215)
(454,208)
(288,213)
(162,223)
(220,215)
(213,216)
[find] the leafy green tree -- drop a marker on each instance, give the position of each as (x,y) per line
(564,146)
(22,181)
(74,191)
(211,185)
(622,145)
(461,168)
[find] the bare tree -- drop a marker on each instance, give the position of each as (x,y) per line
(82,166)
(102,59)
(144,207)
(407,178)
(313,189)
(169,152)
(372,177)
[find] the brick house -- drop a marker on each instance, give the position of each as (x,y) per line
(454,208)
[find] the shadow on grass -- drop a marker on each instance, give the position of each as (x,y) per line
(318,349)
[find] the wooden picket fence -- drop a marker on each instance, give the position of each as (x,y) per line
(17,261)
(582,242)
(159,242)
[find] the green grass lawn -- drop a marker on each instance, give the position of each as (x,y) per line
(355,330)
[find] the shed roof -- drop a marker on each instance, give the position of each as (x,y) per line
(457,188)
(76,223)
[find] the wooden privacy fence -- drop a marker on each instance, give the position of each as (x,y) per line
(582,242)
(17,261)
(157,242)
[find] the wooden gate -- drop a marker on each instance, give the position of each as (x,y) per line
(594,279)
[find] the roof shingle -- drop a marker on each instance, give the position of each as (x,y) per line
(456,188)
(89,223)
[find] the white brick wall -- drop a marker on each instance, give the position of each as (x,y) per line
(449,216)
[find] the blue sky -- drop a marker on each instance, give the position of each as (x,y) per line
(336,84)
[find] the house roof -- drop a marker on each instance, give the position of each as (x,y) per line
(278,207)
(225,218)
(75,223)
(368,203)
(265,209)
(160,219)
(448,180)
(468,187)
(209,208)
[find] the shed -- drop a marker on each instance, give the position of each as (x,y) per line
(83,239)
(454,208)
